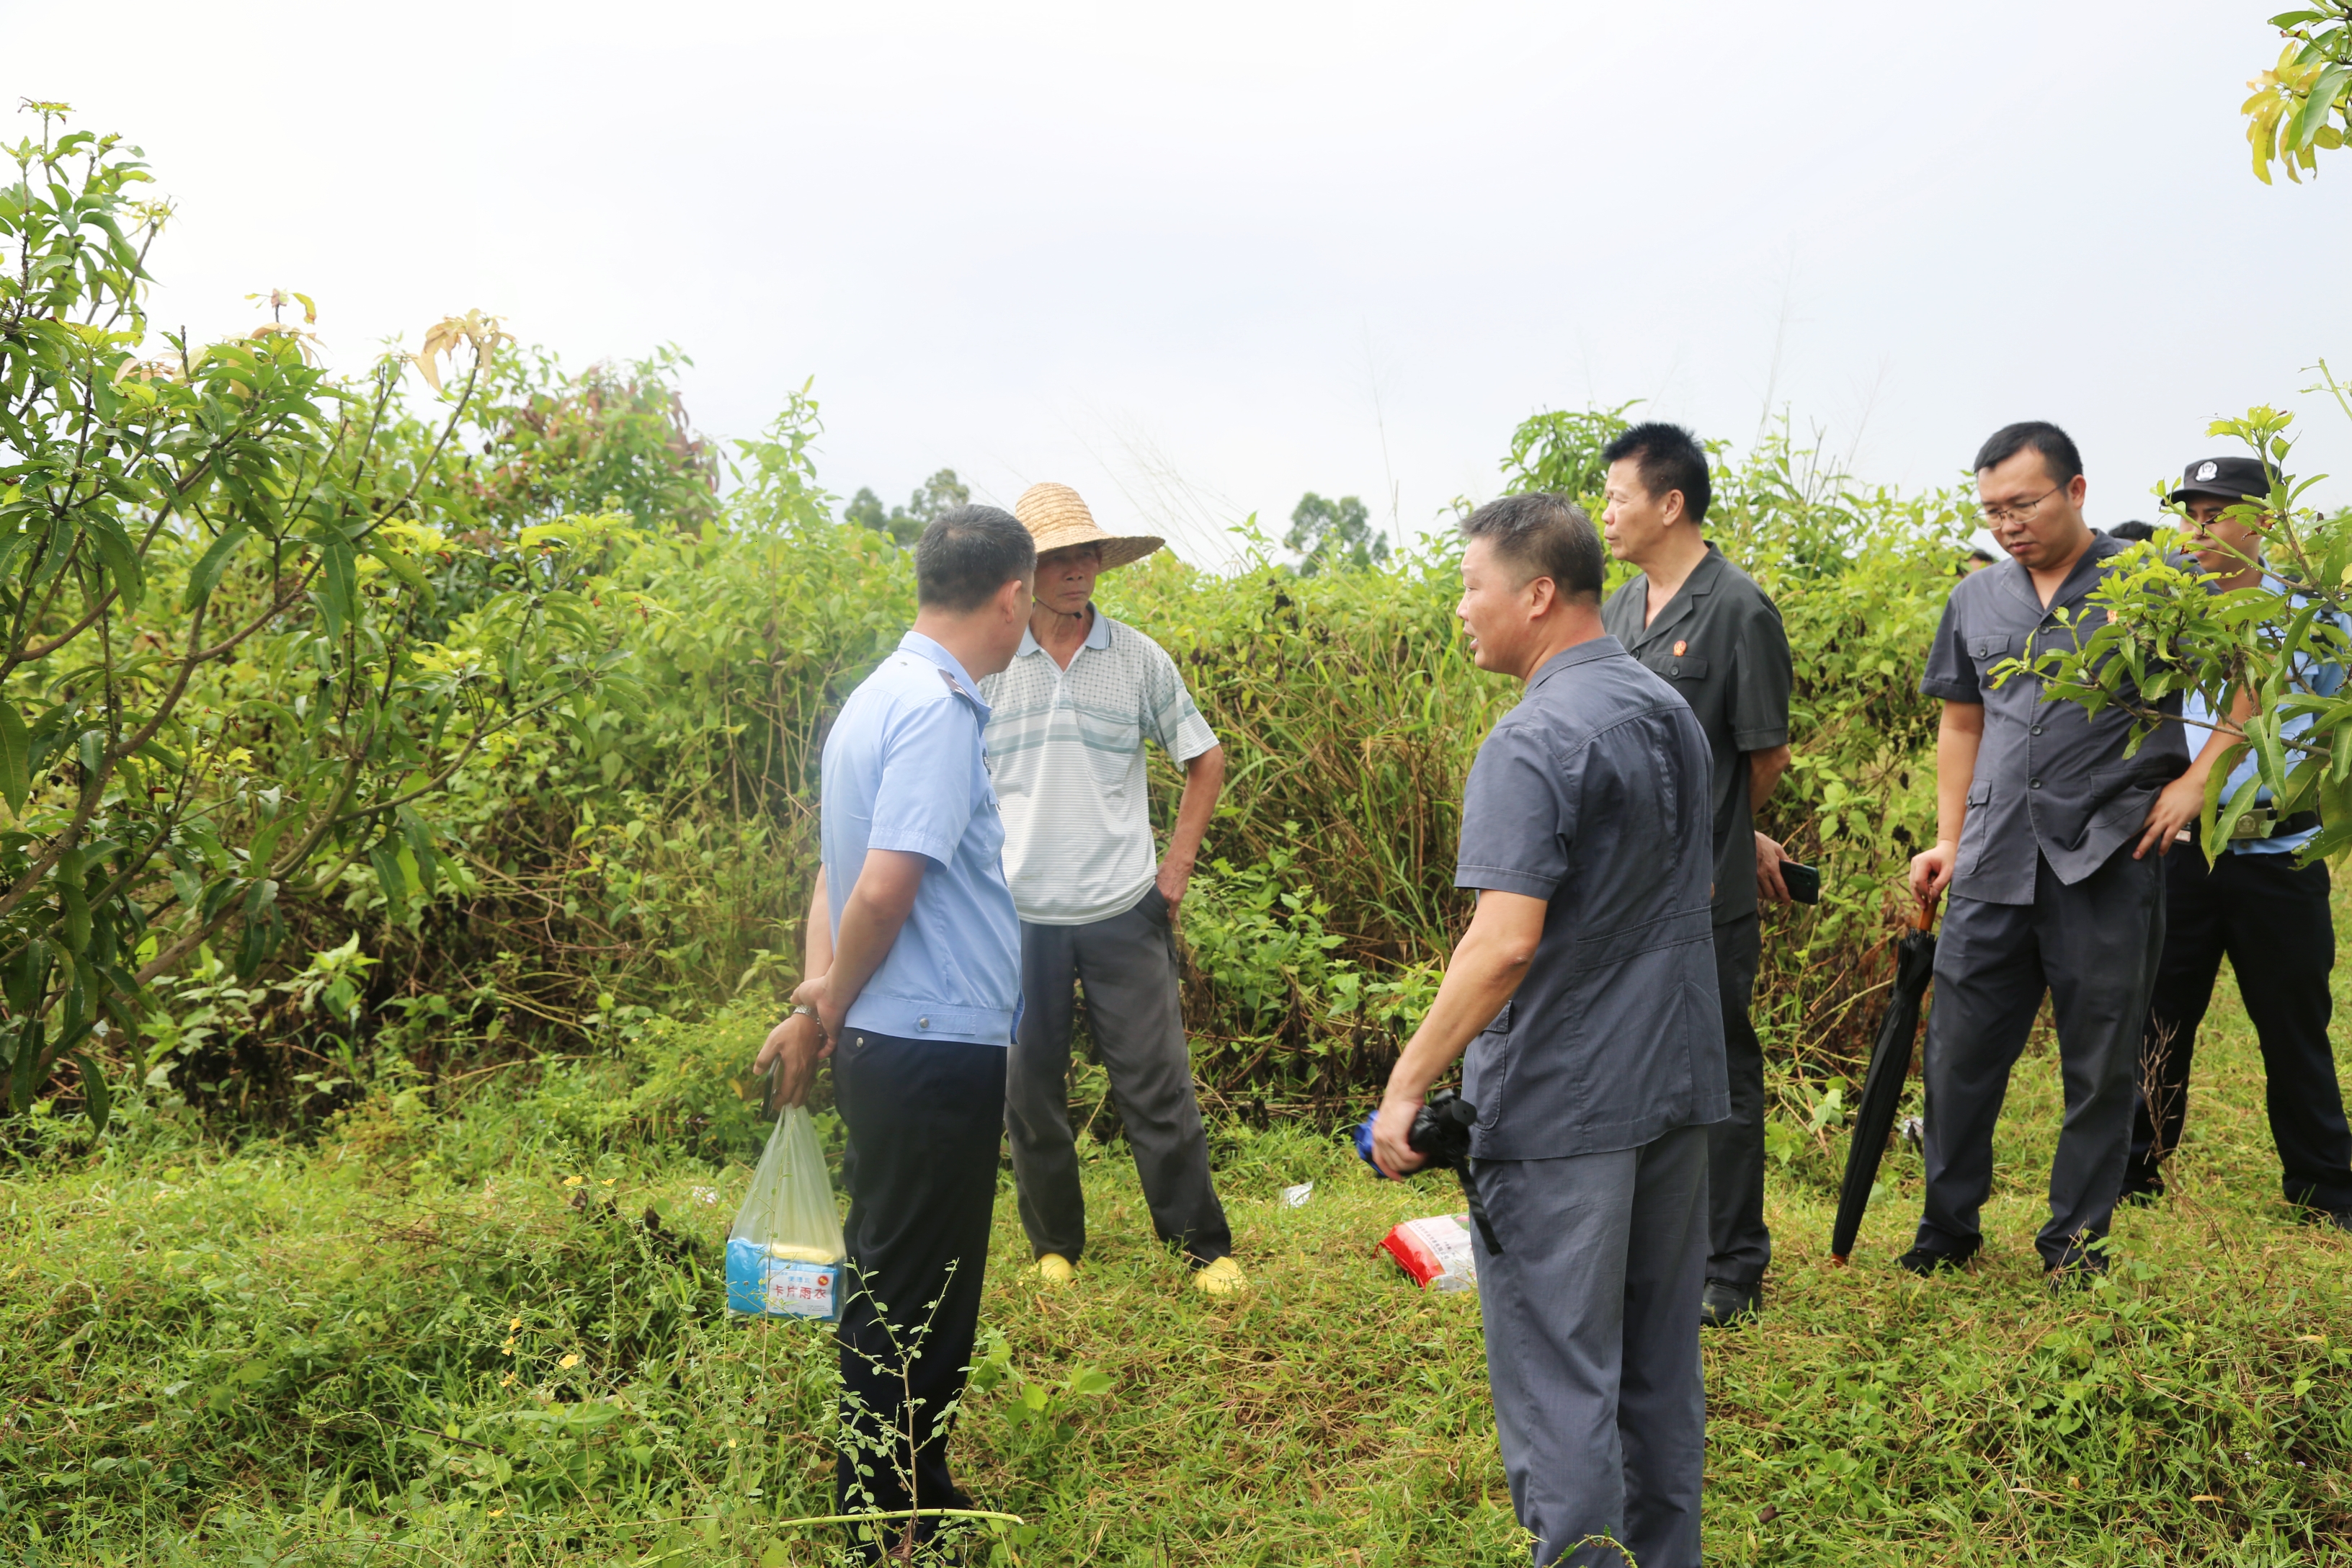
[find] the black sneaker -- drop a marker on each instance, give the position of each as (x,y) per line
(1723,1305)
(2335,1219)
(1925,1260)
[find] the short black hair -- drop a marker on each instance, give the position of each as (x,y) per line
(1547,536)
(1668,458)
(2133,529)
(966,555)
(2055,447)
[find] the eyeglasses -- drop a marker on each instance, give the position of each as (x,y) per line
(2021,510)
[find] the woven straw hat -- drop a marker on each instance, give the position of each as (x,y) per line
(1057,518)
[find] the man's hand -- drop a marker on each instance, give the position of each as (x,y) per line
(1391,1153)
(2176,805)
(1768,881)
(1931,870)
(1173,879)
(794,1046)
(815,992)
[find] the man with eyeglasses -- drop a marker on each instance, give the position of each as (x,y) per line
(2049,837)
(2253,905)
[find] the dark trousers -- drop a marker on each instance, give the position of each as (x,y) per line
(1128,966)
(2094,948)
(1591,1315)
(1739,1245)
(2271,921)
(922,1172)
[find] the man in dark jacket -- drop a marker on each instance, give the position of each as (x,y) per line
(1586,981)
(2048,837)
(1705,625)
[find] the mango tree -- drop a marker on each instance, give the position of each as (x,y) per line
(224,687)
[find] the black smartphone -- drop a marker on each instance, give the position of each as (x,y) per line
(1804,882)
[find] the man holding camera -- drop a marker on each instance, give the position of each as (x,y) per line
(1586,981)
(914,990)
(2253,905)
(1702,623)
(2050,829)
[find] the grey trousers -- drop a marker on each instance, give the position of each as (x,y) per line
(1738,1244)
(1127,967)
(1592,1346)
(2094,947)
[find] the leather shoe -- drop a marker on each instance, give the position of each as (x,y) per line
(1925,1260)
(1723,1305)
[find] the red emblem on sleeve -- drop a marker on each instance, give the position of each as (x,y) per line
(1681,648)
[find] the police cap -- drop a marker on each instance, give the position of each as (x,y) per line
(2231,478)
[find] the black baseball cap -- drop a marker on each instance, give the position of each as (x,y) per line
(2231,478)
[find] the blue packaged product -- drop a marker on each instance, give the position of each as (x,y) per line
(784,1253)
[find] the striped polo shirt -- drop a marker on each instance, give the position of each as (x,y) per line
(1066,751)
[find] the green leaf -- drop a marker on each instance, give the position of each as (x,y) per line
(73,908)
(208,571)
(402,567)
(385,858)
(15,756)
(25,1073)
(97,1100)
(122,564)
(342,586)
(2318,106)
(256,857)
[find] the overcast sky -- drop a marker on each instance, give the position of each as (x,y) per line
(1196,261)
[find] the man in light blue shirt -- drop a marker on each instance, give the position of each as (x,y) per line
(913,991)
(2254,906)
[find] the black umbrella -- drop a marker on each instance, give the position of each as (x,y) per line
(1882,1087)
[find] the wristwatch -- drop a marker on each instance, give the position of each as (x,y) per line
(803,1010)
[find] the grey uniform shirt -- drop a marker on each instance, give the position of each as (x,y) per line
(2051,781)
(1592,795)
(1720,642)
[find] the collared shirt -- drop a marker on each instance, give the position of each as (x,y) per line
(1066,748)
(1592,795)
(2052,779)
(903,771)
(2322,678)
(1720,642)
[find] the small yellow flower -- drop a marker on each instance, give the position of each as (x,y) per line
(571,1181)
(507,1349)
(731,1442)
(506,1382)
(495,1512)
(568,1362)
(610,1180)
(516,1324)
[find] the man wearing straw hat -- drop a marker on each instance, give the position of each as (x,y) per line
(1064,741)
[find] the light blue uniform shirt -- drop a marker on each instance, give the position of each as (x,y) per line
(2325,678)
(903,770)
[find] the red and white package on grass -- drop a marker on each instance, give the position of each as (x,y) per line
(1436,1252)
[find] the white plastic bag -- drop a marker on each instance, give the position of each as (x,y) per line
(784,1253)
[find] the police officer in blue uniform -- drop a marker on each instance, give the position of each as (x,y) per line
(2254,906)
(2050,837)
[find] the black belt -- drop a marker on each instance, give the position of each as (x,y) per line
(2301,822)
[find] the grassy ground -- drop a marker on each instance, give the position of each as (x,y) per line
(457,1339)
